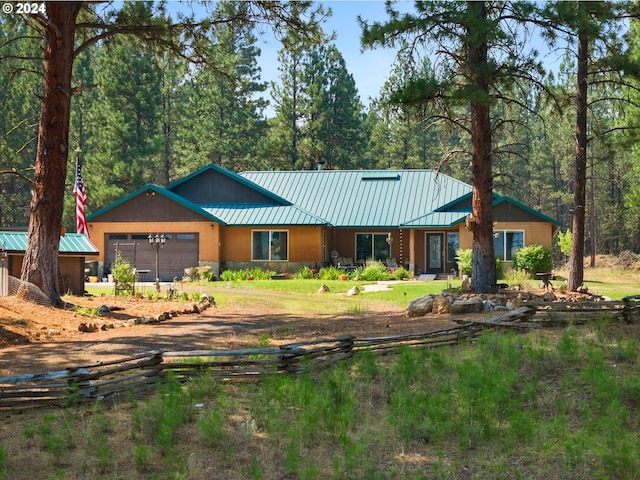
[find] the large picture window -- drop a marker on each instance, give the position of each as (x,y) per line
(507,242)
(372,246)
(270,245)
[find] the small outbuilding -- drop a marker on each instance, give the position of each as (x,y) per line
(73,249)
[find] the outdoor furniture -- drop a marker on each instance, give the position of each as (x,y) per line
(545,277)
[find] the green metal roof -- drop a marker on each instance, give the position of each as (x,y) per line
(70,244)
(161,191)
(363,198)
(437,220)
(262,215)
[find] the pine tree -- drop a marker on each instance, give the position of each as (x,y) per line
(58,27)
(223,121)
(480,58)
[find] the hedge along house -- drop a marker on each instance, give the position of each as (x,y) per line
(283,221)
(73,249)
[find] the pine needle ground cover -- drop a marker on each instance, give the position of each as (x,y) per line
(561,403)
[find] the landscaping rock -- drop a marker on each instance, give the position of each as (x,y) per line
(470,306)
(420,306)
(353,291)
(441,304)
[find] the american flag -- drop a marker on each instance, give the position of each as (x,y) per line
(81,201)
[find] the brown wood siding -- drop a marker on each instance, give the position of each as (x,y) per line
(507,212)
(149,208)
(213,187)
(71,272)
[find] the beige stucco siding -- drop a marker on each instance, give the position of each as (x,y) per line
(304,243)
(538,233)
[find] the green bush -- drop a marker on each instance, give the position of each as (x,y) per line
(464,258)
(305,273)
(375,271)
(401,273)
(246,274)
(532,259)
(124,275)
(564,242)
(330,273)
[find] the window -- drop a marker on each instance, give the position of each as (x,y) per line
(453,245)
(270,245)
(185,236)
(372,246)
(506,243)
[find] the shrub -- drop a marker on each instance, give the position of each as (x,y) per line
(564,242)
(206,273)
(304,273)
(123,274)
(401,273)
(375,271)
(464,258)
(517,278)
(532,259)
(246,274)
(330,273)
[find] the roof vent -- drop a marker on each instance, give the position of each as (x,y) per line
(368,176)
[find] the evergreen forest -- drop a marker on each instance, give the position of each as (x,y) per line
(146,114)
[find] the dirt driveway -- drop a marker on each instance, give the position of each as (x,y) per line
(35,339)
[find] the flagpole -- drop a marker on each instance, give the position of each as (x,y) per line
(78,161)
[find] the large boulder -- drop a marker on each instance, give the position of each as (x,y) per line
(459,307)
(441,304)
(420,306)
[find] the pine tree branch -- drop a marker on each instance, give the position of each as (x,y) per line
(13,171)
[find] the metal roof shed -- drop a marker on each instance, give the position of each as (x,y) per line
(73,249)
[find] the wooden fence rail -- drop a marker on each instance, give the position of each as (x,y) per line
(105,380)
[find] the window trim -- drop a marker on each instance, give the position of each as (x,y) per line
(270,232)
(452,259)
(373,234)
(504,232)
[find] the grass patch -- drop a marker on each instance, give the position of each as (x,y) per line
(508,406)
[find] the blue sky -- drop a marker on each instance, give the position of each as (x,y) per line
(370,68)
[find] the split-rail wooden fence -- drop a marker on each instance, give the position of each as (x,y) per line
(107,380)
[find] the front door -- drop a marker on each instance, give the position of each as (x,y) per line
(435,253)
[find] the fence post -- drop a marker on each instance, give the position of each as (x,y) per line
(290,359)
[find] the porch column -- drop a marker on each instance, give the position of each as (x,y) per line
(412,251)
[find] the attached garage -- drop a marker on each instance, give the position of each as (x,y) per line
(191,235)
(180,251)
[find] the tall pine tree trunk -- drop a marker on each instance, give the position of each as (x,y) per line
(40,265)
(483,269)
(576,265)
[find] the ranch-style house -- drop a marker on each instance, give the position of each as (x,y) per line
(284,220)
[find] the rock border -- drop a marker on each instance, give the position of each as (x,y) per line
(205,302)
